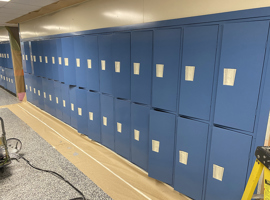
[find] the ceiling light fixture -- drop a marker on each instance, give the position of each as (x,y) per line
(4,0)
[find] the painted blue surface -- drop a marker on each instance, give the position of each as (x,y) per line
(2,75)
(82,114)
(40,58)
(50,99)
(94,124)
(192,139)
(91,42)
(122,135)
(34,48)
(46,59)
(231,151)
(27,57)
(166,52)
(28,84)
(105,54)
(243,48)
(80,52)
(139,148)
(199,51)
(58,100)
(39,92)
(162,129)
(58,58)
(65,103)
(54,62)
(107,131)
(121,53)
(8,57)
(73,106)
(69,67)
(141,52)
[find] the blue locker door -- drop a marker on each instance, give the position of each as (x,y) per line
(8,79)
(166,65)
(73,107)
(94,123)
(91,42)
(8,57)
(45,94)
(106,64)
(121,59)
(241,62)
(34,48)
(161,146)
(39,92)
(58,100)
(122,128)
(13,82)
(54,60)
(227,165)
(27,57)
(107,121)
(80,51)
(82,114)
(27,86)
(69,63)
(34,90)
(65,103)
(198,62)
(59,60)
(190,157)
(45,59)
(40,59)
(5,64)
(23,56)
(141,66)
(140,135)
(51,98)
(1,74)
(31,83)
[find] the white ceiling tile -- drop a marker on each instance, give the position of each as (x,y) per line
(40,3)
(2,3)
(20,6)
(12,11)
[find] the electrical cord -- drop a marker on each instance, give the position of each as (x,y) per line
(58,176)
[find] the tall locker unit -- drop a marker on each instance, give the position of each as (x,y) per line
(122,127)
(107,121)
(106,64)
(81,53)
(166,67)
(92,71)
(68,60)
(121,58)
(161,146)
(140,135)
(94,121)
(240,72)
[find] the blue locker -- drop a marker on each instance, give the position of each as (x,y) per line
(229,158)
(7,70)
(73,106)
(27,57)
(241,62)
(22,54)
(122,128)
(166,65)
(54,60)
(82,114)
(81,54)
(121,58)
(106,64)
(91,42)
(141,70)
(34,90)
(190,157)
(49,96)
(1,76)
(13,82)
(140,135)
(161,146)
(59,60)
(40,58)
(65,103)
(34,48)
(107,121)
(198,62)
(47,59)
(8,56)
(94,123)
(4,56)
(28,84)
(39,92)
(58,100)
(68,60)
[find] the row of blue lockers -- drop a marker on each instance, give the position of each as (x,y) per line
(167,68)
(7,79)
(5,56)
(170,148)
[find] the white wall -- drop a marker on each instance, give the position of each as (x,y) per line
(3,34)
(95,14)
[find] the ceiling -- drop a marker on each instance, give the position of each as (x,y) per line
(17,11)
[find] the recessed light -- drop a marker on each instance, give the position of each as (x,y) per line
(4,0)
